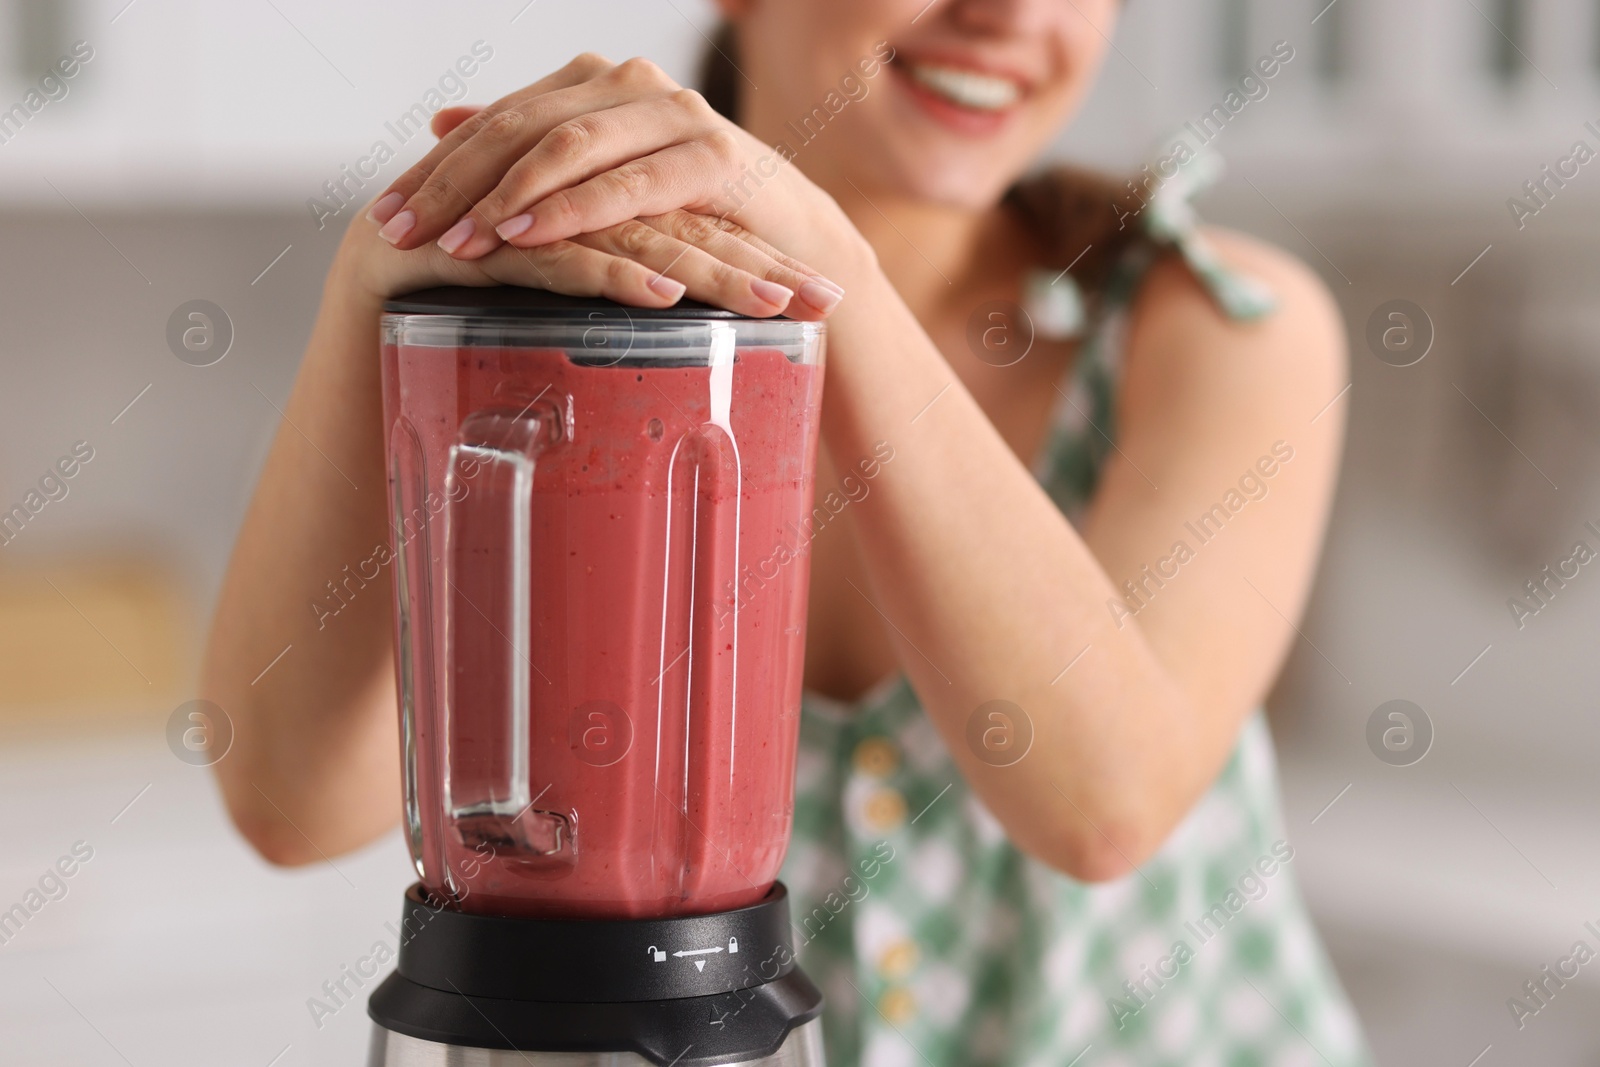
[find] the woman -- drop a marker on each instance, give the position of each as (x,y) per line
(1124,885)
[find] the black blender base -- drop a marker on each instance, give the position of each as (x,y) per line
(694,991)
(801,1048)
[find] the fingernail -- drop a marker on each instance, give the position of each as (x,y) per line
(383,210)
(513,226)
(666,287)
(397,227)
(456,236)
(820,296)
(772,292)
(830,284)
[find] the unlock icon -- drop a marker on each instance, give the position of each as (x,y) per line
(656,954)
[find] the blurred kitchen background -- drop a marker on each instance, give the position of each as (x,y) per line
(178,167)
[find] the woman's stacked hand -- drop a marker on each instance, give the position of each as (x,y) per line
(608,180)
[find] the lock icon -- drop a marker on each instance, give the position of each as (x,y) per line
(733,945)
(656,954)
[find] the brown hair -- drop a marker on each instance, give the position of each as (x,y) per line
(1069,209)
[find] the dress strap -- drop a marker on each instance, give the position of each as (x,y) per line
(1169,219)
(1166,221)
(1084,424)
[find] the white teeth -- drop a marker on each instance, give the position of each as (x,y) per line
(967,88)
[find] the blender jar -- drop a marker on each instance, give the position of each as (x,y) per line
(599,531)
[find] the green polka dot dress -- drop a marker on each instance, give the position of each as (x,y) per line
(938,943)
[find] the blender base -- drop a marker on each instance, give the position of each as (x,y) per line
(714,990)
(803,1048)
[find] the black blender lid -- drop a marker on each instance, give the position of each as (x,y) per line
(519,302)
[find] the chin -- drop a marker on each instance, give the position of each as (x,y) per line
(937,181)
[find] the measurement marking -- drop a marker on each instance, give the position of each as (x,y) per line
(274,663)
(1473,664)
(1332,402)
(930,403)
(1069,666)
(263,274)
(1330,804)
(932,802)
(132,402)
(131,803)
(1474,263)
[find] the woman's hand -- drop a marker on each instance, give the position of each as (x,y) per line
(643,262)
(596,144)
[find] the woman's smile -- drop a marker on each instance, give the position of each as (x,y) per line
(960,95)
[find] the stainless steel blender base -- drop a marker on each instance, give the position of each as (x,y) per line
(389,1049)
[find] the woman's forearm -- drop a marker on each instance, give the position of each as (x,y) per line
(991,593)
(314,767)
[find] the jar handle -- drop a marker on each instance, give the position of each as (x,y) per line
(488,633)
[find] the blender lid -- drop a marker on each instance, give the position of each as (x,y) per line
(519,302)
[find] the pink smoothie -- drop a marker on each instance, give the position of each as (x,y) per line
(652,630)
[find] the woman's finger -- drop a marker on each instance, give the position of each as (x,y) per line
(576,270)
(388,206)
(581,147)
(477,163)
(732,244)
(449,118)
(689,175)
(707,278)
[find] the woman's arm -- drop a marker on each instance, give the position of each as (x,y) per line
(314,767)
(992,593)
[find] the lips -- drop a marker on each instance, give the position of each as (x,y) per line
(964,87)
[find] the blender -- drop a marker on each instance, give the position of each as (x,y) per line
(598,520)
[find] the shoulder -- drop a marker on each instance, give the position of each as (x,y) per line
(1179,336)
